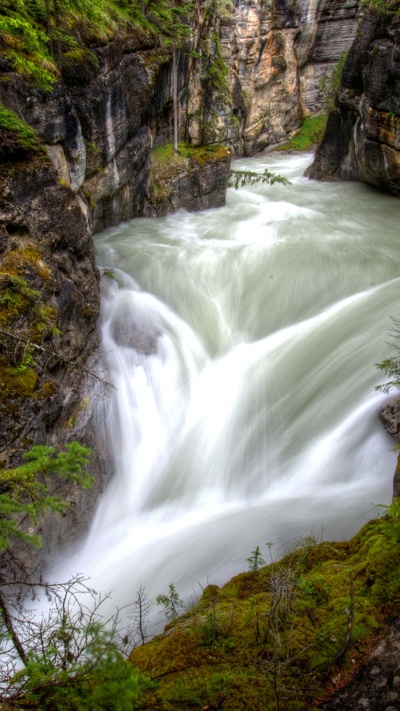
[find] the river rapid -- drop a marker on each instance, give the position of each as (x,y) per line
(242,343)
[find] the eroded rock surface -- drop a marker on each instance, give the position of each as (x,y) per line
(362,140)
(376,685)
(280,57)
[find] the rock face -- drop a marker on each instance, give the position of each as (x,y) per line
(196,182)
(376,685)
(280,56)
(49,301)
(362,140)
(47,258)
(260,68)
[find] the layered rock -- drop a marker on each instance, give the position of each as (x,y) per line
(258,70)
(362,140)
(328,32)
(194,182)
(280,57)
(100,126)
(49,301)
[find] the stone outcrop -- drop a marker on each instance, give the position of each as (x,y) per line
(362,139)
(49,302)
(47,257)
(196,182)
(376,684)
(261,68)
(280,57)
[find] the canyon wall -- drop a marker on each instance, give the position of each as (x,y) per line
(253,72)
(257,71)
(280,55)
(362,139)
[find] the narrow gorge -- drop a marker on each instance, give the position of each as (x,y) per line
(214,348)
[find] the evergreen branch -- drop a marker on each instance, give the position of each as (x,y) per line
(241,178)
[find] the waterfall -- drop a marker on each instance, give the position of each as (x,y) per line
(242,344)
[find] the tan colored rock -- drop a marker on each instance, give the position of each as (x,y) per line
(279,56)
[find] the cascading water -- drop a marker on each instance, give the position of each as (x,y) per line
(242,344)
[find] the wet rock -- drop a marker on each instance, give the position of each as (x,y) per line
(362,141)
(390,418)
(194,183)
(142,340)
(376,684)
(48,271)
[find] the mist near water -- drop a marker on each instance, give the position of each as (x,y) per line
(242,344)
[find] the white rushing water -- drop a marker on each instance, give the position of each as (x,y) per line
(242,343)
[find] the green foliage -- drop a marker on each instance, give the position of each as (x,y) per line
(103,680)
(256,559)
(17,297)
(241,178)
(309,134)
(389,525)
(36,37)
(391,366)
(330,85)
(24,492)
(387,6)
(67,660)
(171,603)
(16,137)
(24,45)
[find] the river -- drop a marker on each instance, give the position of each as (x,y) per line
(242,343)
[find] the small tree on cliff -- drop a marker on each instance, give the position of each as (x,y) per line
(70,657)
(391,366)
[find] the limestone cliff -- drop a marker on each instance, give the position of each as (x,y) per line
(253,68)
(280,55)
(362,139)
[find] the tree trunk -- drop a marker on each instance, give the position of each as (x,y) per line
(175,98)
(6,619)
(48,27)
(57,24)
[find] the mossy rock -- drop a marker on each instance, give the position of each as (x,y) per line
(309,134)
(79,66)
(15,382)
(17,139)
(288,626)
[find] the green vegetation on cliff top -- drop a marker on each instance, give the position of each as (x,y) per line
(167,164)
(39,37)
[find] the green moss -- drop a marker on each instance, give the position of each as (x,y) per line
(25,256)
(81,407)
(285,626)
(166,165)
(279,62)
(308,135)
(14,382)
(17,139)
(387,6)
(166,162)
(27,322)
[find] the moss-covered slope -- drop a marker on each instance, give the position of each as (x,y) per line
(276,637)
